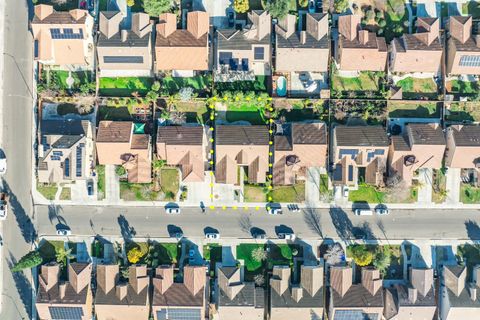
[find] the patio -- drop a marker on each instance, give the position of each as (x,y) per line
(307,83)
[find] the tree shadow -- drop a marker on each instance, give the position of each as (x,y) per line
(312,219)
(54,213)
(473,230)
(23,286)
(364,232)
(343,225)
(23,220)
(127,231)
(245,223)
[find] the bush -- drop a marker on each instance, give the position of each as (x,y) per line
(382,259)
(303,3)
(240,6)
(130,3)
(340,5)
(28,261)
(370,14)
(382,23)
(134,255)
(156,7)
(120,171)
(278,8)
(361,255)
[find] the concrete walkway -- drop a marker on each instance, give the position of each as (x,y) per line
(425,177)
(453,185)
(112,184)
(312,186)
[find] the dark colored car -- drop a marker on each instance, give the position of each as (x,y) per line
(90,188)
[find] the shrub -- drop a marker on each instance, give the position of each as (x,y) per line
(130,3)
(134,255)
(382,259)
(259,254)
(156,7)
(120,171)
(340,5)
(240,6)
(278,8)
(382,23)
(370,14)
(361,255)
(30,260)
(303,3)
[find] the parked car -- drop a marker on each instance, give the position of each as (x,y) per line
(90,187)
(346,192)
(275,211)
(3,165)
(3,206)
(172,210)
(363,212)
(64,232)
(259,236)
(383,211)
(287,236)
(212,235)
(177,235)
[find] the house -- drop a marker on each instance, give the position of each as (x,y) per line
(63,39)
(239,146)
(244,54)
(304,52)
(459,299)
(299,147)
(422,146)
(122,52)
(179,300)
(58,299)
(355,301)
(359,50)
(65,151)
(183,51)
(463,149)
(420,52)
(237,299)
(183,146)
(414,300)
(124,143)
(119,300)
(292,300)
(463,47)
(359,152)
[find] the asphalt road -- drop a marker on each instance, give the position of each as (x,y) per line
(17,145)
(307,224)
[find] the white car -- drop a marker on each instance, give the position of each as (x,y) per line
(287,236)
(382,211)
(346,192)
(274,211)
(64,232)
(212,235)
(172,210)
(3,166)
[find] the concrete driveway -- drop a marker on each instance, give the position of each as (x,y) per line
(425,178)
(453,185)
(112,184)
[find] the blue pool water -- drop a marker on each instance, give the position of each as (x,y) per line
(282,86)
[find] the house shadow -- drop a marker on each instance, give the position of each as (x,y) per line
(342,223)
(413,256)
(228,259)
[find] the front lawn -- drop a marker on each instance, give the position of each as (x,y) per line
(169,183)
(390,267)
(469,194)
(259,85)
(60,5)
(290,194)
(358,86)
(324,184)
(100,171)
(414,109)
(418,88)
(472,8)
(470,254)
(166,253)
(212,252)
(462,87)
(439,186)
(283,254)
(138,191)
(463,111)
(47,190)
(254,193)
(66,193)
(124,86)
(172,85)
(48,250)
(366,193)
(252,266)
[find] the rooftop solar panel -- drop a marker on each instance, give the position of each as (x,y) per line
(179,314)
(66,313)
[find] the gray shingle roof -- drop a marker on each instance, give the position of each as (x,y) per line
(425,134)
(180,135)
(64,127)
(286,301)
(228,39)
(133,40)
(357,297)
(466,136)
(241,135)
(294,42)
(374,136)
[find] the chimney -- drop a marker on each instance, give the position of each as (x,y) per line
(42,11)
(167,24)
(363,36)
(163,278)
(124,35)
(121,290)
(303,37)
(412,295)
(472,291)
(198,23)
(62,288)
(317,28)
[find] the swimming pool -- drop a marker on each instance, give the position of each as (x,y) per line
(281,86)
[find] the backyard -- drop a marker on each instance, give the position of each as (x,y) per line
(366,84)
(201,84)
(366,193)
(124,86)
(59,77)
(290,194)
(462,111)
(249,113)
(259,85)
(301,110)
(413,109)
(469,194)
(462,87)
(195,111)
(418,88)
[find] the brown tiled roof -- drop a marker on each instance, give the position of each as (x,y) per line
(373,42)
(57,17)
(411,42)
(374,136)
(425,134)
(309,133)
(357,297)
(114,131)
(140,141)
(241,135)
(181,38)
(466,135)
(180,135)
(177,295)
(283,143)
(400,143)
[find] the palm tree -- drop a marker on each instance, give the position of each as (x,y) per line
(63,255)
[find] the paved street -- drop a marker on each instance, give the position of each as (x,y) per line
(153,222)
(17,144)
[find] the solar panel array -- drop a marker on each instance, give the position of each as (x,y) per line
(179,314)
(123,59)
(79,161)
(66,33)
(67,167)
(66,313)
(354,315)
(470,61)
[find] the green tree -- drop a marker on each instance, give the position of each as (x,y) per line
(30,260)
(134,255)
(340,5)
(278,8)
(120,171)
(155,86)
(130,3)
(361,255)
(303,3)
(240,6)
(370,14)
(152,97)
(382,260)
(156,7)
(63,255)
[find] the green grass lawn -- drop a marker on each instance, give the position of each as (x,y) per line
(259,85)
(462,87)
(439,193)
(252,267)
(472,8)
(169,183)
(367,81)
(324,183)
(463,111)
(124,86)
(366,193)
(212,252)
(200,84)
(120,113)
(79,77)
(100,170)
(282,254)
(195,111)
(243,112)
(471,255)
(137,191)
(60,5)
(469,194)
(414,109)
(254,193)
(66,193)
(395,269)
(416,88)
(166,253)
(295,193)
(47,190)
(48,250)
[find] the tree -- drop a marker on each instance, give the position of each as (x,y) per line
(130,3)
(152,97)
(259,254)
(370,14)
(334,254)
(134,255)
(157,165)
(155,86)
(278,8)
(303,3)
(120,171)
(361,255)
(63,255)
(240,6)
(340,5)
(186,94)
(382,259)
(259,279)
(156,7)
(382,23)
(30,260)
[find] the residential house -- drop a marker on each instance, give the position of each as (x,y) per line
(183,146)
(63,39)
(296,300)
(463,149)
(459,299)
(183,51)
(237,147)
(125,143)
(122,52)
(420,52)
(65,151)
(355,301)
(422,146)
(59,299)
(298,147)
(118,300)
(359,50)
(359,153)
(305,52)
(414,300)
(244,54)
(463,47)
(237,299)
(175,300)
